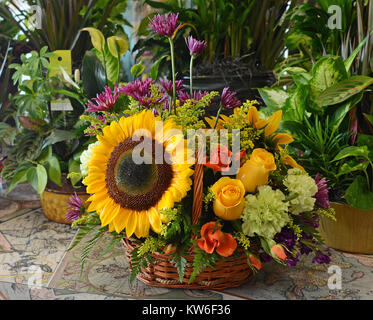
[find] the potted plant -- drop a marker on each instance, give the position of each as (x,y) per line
(191,218)
(245,41)
(316,110)
(43,145)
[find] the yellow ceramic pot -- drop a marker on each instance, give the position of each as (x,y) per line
(352,232)
(54,204)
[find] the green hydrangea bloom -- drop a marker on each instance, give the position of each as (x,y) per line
(265,213)
(301,188)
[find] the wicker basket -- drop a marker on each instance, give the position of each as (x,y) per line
(230,272)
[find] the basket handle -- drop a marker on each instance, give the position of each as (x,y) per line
(197,189)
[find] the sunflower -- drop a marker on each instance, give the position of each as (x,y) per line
(128,195)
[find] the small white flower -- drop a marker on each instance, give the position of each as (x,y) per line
(85,157)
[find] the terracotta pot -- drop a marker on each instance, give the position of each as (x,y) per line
(54,204)
(352,232)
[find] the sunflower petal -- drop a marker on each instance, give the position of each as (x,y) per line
(121,220)
(143,225)
(155,220)
(131,224)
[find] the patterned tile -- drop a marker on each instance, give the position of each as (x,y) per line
(17,291)
(31,247)
(109,275)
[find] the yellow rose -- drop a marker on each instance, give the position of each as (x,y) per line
(229,198)
(255,172)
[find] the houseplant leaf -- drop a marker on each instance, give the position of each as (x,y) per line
(93,75)
(38,178)
(54,170)
(118,46)
(343,90)
(97,38)
(327,72)
(358,194)
(274,98)
(353,151)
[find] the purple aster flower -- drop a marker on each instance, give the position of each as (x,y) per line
(165,25)
(75,206)
(322,195)
(140,91)
(167,85)
(104,101)
(195,46)
(229,100)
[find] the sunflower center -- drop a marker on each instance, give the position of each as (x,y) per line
(132,178)
(136,186)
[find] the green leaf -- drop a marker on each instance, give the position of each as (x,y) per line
(295,105)
(352,151)
(351,58)
(38,178)
(118,46)
(274,98)
(93,75)
(137,69)
(74,167)
(326,72)
(45,155)
(19,177)
(369,117)
(358,194)
(155,67)
(343,90)
(97,38)
(54,171)
(352,166)
(57,135)
(111,65)
(299,75)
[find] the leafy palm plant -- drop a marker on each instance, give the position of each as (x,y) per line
(62,21)
(233,28)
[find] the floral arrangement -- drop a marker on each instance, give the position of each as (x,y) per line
(140,173)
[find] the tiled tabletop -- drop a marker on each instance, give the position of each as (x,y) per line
(35,264)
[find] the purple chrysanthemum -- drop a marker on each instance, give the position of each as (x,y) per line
(195,46)
(165,25)
(197,95)
(229,100)
(322,195)
(104,101)
(167,85)
(75,206)
(140,91)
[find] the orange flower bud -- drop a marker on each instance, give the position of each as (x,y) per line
(279,252)
(255,262)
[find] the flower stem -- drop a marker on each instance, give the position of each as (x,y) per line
(217,116)
(173,74)
(191,75)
